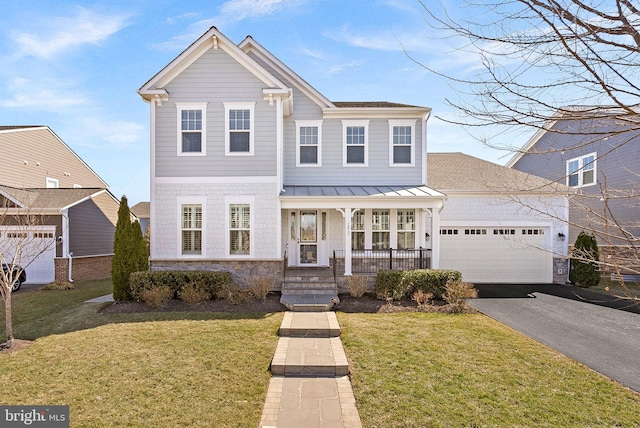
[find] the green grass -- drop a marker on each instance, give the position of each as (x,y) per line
(159,369)
(435,370)
(609,286)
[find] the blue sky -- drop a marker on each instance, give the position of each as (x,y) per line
(76,66)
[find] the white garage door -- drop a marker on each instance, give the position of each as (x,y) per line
(38,250)
(497,254)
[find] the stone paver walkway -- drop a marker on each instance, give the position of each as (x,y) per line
(309,387)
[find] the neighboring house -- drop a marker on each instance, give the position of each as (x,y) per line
(48,193)
(252,168)
(141,210)
(596,152)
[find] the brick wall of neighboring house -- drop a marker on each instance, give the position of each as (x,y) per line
(240,269)
(83,268)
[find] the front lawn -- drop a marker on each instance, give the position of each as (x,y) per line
(435,370)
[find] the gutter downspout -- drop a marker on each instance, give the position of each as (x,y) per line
(65,240)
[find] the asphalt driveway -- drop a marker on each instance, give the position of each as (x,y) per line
(575,323)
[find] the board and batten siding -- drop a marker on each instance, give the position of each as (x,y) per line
(215,78)
(37,154)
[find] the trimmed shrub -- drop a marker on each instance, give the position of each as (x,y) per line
(457,293)
(389,285)
(210,282)
(429,281)
(234,294)
(421,298)
(260,286)
(357,285)
(194,294)
(157,297)
(584,261)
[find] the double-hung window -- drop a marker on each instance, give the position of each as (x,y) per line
(406,225)
(192,128)
(52,183)
(357,230)
(309,142)
(240,223)
(191,229)
(381,228)
(581,171)
(239,128)
(355,134)
(401,142)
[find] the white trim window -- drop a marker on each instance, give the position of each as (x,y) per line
(355,135)
(239,128)
(358,230)
(381,229)
(191,229)
(192,125)
(402,142)
(581,171)
(239,221)
(308,143)
(52,183)
(406,227)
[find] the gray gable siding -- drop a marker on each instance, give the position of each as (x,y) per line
(215,78)
(617,169)
(37,154)
(91,230)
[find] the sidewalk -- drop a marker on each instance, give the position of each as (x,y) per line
(309,387)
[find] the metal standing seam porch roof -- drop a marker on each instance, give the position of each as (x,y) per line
(360,191)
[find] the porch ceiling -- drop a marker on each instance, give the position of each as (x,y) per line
(361,196)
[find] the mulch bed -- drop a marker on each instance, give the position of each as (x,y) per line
(365,304)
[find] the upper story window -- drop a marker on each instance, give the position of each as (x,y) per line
(356,142)
(581,171)
(308,143)
(191,128)
(401,142)
(52,183)
(239,128)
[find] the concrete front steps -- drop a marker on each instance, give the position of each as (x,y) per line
(310,387)
(309,289)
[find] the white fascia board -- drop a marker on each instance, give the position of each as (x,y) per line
(86,198)
(31,128)
(248,179)
(12,199)
(250,45)
(376,112)
(212,39)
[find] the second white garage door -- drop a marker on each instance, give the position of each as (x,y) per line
(497,254)
(38,250)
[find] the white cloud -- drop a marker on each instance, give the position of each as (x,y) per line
(230,13)
(41,95)
(339,68)
(59,34)
(388,40)
(116,133)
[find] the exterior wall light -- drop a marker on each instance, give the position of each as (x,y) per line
(561,236)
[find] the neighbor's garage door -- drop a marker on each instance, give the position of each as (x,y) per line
(38,251)
(502,255)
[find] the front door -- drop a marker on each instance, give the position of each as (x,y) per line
(308,237)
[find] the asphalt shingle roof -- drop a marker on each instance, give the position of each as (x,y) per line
(48,198)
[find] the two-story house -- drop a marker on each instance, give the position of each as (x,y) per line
(253,170)
(54,207)
(595,151)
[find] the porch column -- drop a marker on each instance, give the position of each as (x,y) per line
(435,238)
(346,214)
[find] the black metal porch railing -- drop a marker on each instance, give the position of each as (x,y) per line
(371,261)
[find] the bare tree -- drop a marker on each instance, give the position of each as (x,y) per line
(21,243)
(544,60)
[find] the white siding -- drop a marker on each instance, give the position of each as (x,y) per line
(265,231)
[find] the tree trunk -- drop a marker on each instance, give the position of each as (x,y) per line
(7,319)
